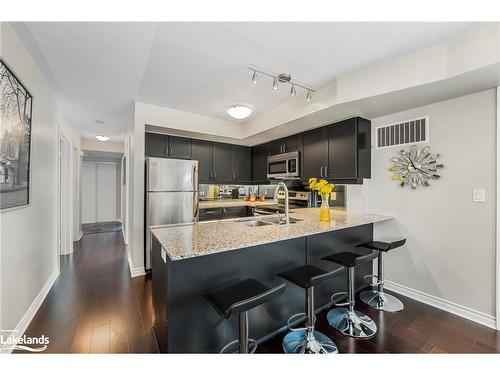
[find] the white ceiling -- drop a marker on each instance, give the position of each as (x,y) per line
(99,69)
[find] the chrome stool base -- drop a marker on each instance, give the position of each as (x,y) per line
(299,342)
(354,324)
(381,301)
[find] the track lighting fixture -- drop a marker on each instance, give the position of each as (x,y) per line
(255,78)
(283,78)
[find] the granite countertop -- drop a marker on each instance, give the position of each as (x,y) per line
(216,203)
(182,241)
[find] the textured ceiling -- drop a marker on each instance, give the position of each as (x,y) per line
(99,69)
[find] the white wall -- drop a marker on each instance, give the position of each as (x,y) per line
(450,251)
(28,243)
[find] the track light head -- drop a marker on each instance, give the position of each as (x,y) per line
(308,95)
(255,78)
(293,91)
(275,84)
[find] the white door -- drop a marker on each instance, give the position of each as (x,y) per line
(106,192)
(89,183)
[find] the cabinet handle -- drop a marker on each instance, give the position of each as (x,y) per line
(326,171)
(171,152)
(215,175)
(284,147)
(234,177)
(321,171)
(166,150)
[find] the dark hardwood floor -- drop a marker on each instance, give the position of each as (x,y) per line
(95,307)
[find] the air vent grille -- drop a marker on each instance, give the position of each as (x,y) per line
(410,131)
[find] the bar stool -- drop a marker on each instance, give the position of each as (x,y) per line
(378,299)
(344,319)
(306,339)
(238,299)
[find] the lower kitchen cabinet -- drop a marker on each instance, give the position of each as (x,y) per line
(220,213)
(207,214)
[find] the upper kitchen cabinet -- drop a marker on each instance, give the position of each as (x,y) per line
(314,155)
(241,164)
(222,162)
(288,144)
(179,148)
(164,146)
(156,145)
(259,162)
(349,150)
(202,151)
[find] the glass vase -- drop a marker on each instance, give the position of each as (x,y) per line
(324,210)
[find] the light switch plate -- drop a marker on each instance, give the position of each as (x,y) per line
(478,195)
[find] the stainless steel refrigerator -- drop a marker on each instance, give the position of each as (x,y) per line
(171,195)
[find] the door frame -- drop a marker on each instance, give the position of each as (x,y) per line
(65,195)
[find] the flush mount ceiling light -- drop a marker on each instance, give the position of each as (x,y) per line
(102,138)
(239,111)
(283,78)
(99,122)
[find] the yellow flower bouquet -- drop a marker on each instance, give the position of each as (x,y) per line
(324,188)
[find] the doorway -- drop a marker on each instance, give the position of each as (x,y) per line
(101,193)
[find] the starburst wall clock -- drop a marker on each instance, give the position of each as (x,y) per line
(415,167)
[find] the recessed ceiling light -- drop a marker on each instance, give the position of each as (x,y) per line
(239,111)
(102,138)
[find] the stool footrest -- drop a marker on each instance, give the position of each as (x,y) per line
(340,304)
(236,343)
(290,322)
(371,283)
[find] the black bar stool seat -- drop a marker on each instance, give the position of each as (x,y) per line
(238,298)
(344,318)
(306,339)
(377,298)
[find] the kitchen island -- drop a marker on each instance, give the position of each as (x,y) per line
(192,259)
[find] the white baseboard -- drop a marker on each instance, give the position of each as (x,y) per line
(442,304)
(80,235)
(124,238)
(134,272)
(30,313)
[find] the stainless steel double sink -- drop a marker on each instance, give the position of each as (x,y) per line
(265,221)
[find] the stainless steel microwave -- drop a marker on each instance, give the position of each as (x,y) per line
(284,165)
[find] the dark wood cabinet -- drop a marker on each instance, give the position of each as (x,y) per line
(222,162)
(314,155)
(241,164)
(202,151)
(342,153)
(156,145)
(179,148)
(349,150)
(165,146)
(288,144)
(259,162)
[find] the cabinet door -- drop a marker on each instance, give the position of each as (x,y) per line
(222,162)
(314,154)
(259,162)
(293,143)
(342,149)
(277,146)
(156,145)
(241,164)
(202,151)
(179,148)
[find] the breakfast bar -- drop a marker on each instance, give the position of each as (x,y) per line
(189,260)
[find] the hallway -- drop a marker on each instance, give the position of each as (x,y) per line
(94,306)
